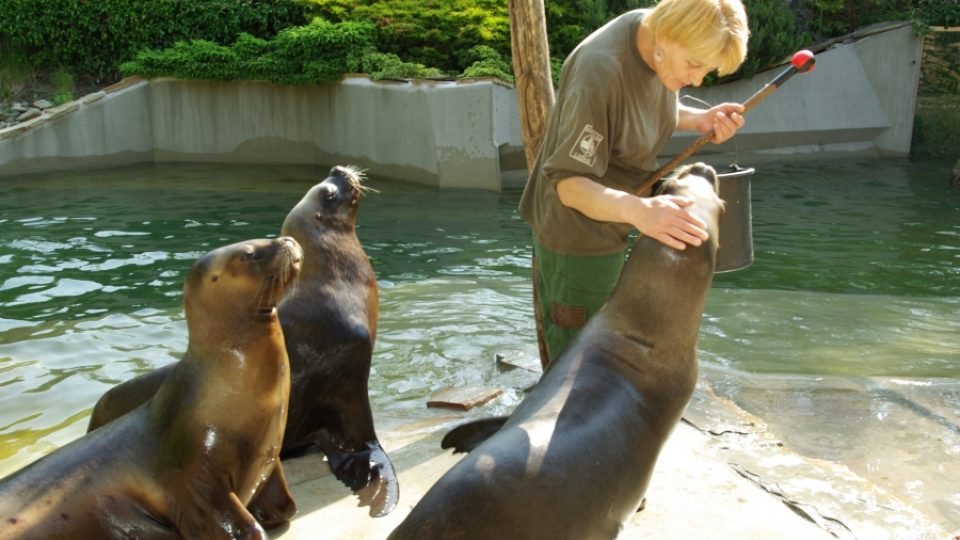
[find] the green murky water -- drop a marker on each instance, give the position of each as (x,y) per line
(856,278)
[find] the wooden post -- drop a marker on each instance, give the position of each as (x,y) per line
(531,69)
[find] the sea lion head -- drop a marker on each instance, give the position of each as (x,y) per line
(330,205)
(699,182)
(245,280)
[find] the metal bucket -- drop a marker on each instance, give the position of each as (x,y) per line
(736,231)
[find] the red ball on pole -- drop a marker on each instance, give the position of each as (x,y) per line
(803,60)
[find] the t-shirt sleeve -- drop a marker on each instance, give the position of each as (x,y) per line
(583,146)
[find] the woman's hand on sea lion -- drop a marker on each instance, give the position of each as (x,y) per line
(667,220)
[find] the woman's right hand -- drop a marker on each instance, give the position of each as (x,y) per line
(665,218)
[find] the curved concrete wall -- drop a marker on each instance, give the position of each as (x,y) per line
(859,100)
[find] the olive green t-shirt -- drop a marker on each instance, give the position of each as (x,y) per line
(611,118)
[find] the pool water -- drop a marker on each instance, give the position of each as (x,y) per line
(855,287)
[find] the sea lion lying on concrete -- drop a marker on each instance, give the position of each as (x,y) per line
(186,462)
(330,324)
(574,459)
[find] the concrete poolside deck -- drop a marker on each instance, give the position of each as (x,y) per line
(691,495)
(720,475)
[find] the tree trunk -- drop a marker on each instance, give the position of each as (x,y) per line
(531,67)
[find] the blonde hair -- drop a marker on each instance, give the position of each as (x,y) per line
(708,29)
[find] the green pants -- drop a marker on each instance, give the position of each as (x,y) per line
(570,289)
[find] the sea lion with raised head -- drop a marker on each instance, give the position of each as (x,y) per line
(186,462)
(330,324)
(574,459)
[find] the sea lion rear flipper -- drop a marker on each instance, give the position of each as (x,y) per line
(222,517)
(369,473)
(466,437)
(273,504)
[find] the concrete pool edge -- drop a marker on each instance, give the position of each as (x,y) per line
(705,483)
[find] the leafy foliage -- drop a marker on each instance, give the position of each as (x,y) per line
(570,21)
(832,18)
(936,12)
(484,61)
(272,40)
(94,37)
(319,52)
(429,32)
(774,36)
(380,66)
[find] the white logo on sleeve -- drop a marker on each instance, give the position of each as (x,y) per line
(585,149)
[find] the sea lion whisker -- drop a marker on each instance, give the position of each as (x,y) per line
(279,284)
(355,177)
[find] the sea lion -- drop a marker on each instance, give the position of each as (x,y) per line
(574,459)
(330,324)
(185,463)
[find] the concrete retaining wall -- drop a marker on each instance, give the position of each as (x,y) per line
(859,100)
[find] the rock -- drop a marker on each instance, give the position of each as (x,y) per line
(18,107)
(42,104)
(90,98)
(514,360)
(465,398)
(29,114)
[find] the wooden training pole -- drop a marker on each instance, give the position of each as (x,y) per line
(531,69)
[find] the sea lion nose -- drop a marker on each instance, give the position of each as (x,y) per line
(328,190)
(289,243)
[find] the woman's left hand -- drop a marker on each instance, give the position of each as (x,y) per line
(725,119)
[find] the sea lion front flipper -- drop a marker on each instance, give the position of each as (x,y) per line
(466,437)
(127,396)
(273,504)
(224,517)
(369,473)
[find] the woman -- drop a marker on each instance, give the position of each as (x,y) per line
(616,108)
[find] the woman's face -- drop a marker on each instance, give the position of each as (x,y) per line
(679,68)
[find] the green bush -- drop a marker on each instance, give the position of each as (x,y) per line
(429,32)
(568,22)
(774,36)
(832,18)
(484,61)
(936,12)
(319,52)
(379,66)
(93,38)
